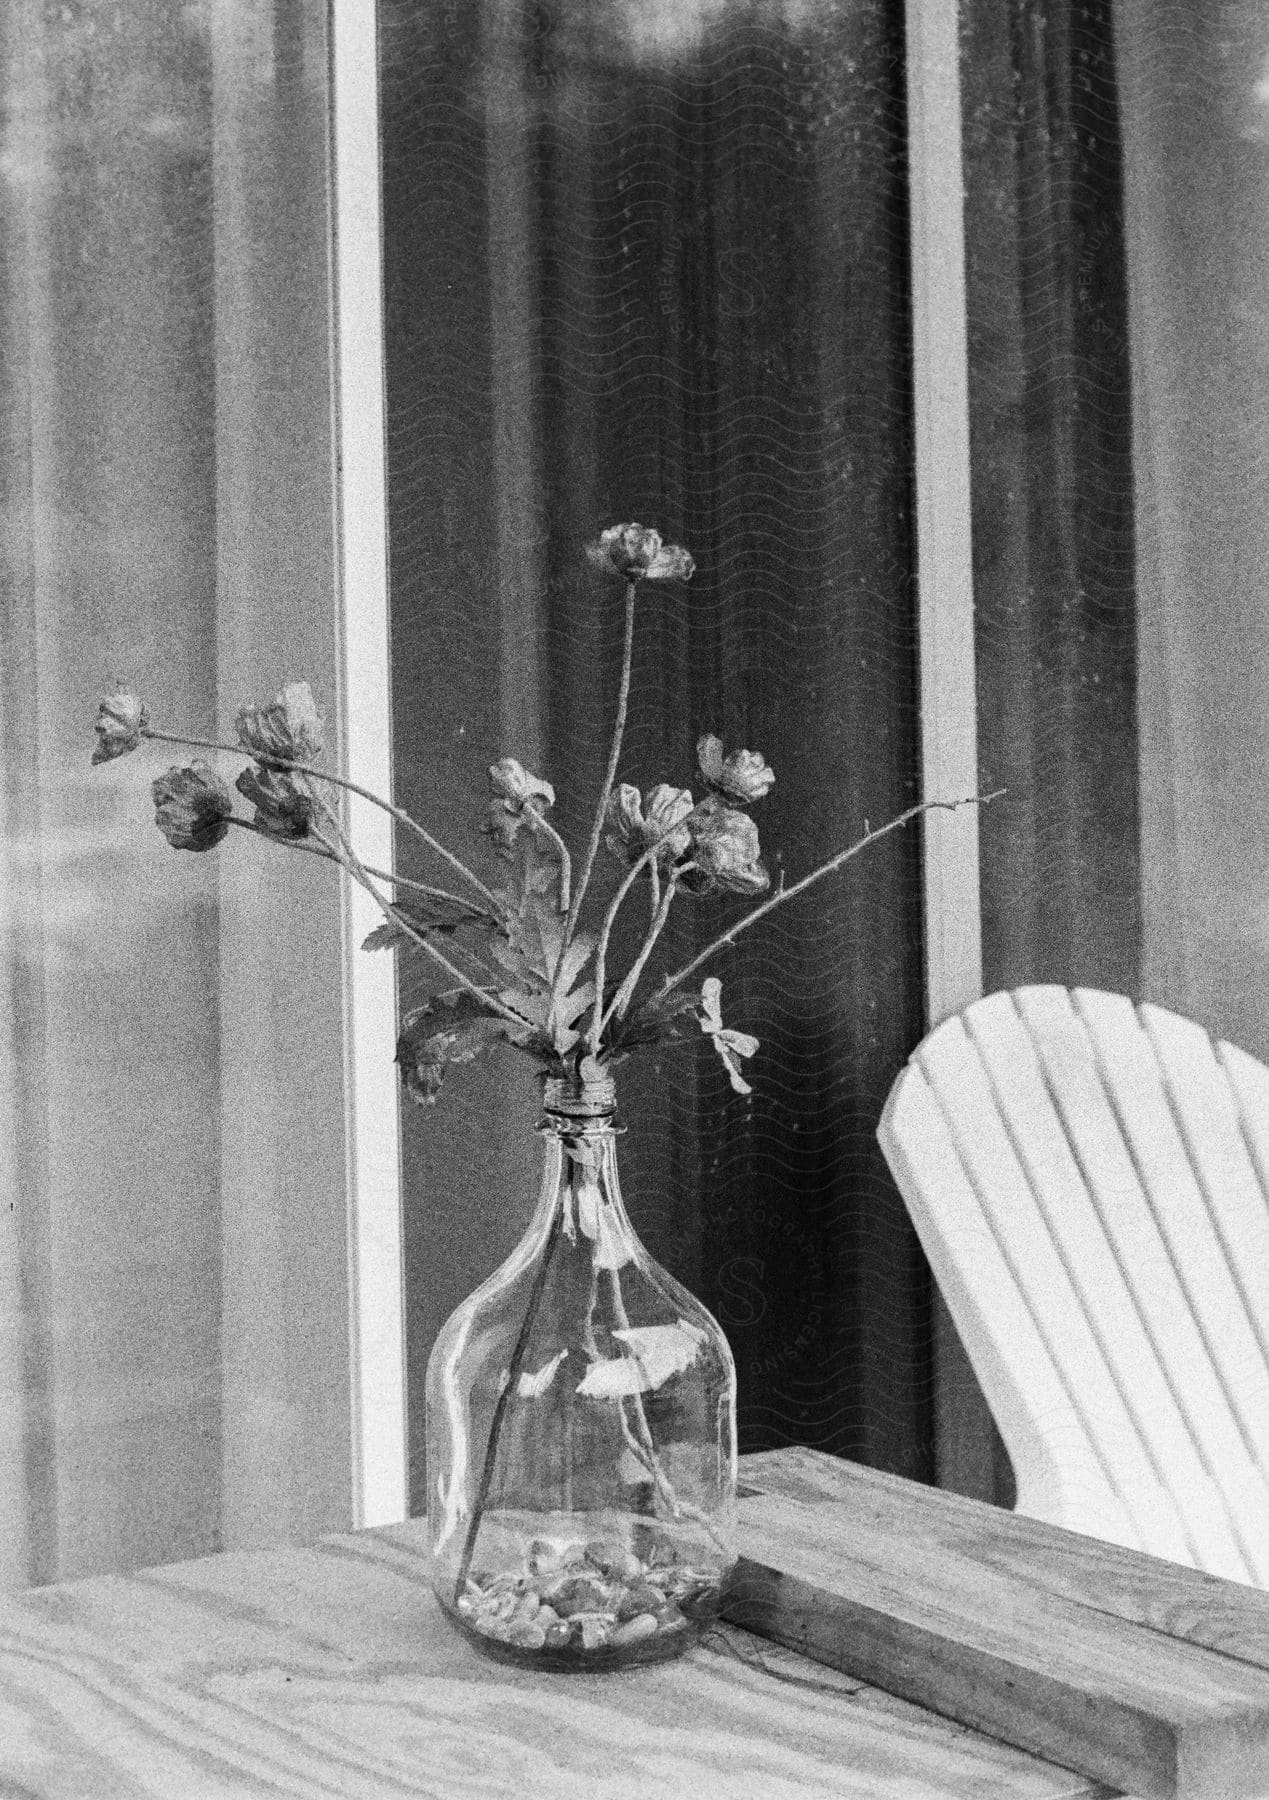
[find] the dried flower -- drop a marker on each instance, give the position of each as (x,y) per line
(636,823)
(288,729)
(741,777)
(636,553)
(512,782)
(515,793)
(725,851)
(282,809)
(121,723)
(191,807)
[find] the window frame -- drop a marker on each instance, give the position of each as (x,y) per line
(951,902)
(376,1312)
(950,861)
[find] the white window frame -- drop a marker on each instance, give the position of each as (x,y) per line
(380,1454)
(949,752)
(951,901)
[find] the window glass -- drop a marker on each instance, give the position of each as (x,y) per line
(649,261)
(171,1104)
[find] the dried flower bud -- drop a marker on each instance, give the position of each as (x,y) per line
(191,807)
(512,782)
(635,824)
(636,553)
(121,723)
(502,823)
(282,809)
(288,729)
(515,793)
(741,777)
(725,851)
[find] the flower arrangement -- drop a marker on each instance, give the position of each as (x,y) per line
(522,968)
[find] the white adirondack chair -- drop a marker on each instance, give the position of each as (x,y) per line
(1089,1181)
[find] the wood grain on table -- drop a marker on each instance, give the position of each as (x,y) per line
(1133,1670)
(329,1671)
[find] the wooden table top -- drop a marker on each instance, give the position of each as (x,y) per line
(329,1671)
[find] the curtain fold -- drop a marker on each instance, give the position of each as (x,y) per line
(173,1341)
(1196,132)
(1054,538)
(1053,517)
(649,263)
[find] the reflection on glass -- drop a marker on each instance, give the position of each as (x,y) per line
(163,386)
(649,262)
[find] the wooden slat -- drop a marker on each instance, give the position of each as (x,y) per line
(1235,1201)
(1064,1649)
(1046,1124)
(1067,1038)
(1055,1461)
(1120,1165)
(949,1061)
(329,1672)
(1130,1289)
(1132,1075)
(1214,1309)
(1168,1597)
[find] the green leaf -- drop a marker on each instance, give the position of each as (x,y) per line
(425,914)
(571,1002)
(575,959)
(453,1027)
(531,1006)
(535,927)
(662,1017)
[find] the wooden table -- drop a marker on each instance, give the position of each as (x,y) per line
(329,1671)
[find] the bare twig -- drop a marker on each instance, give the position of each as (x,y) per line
(786,893)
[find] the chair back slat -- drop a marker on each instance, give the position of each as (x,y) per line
(1057,1464)
(952,1065)
(1046,1084)
(1089,1185)
(1143,1097)
(1207,1116)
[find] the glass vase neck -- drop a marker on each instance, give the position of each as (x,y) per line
(573,1104)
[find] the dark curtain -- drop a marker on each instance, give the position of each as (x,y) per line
(649,262)
(1053,514)
(1196,135)
(1052,494)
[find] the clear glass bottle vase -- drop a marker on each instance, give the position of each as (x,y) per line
(581,1436)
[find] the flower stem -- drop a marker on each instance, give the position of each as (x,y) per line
(349,861)
(601,949)
(614,756)
(625,993)
(643,1444)
(405,881)
(348,858)
(835,862)
(339,781)
(514,1367)
(552,836)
